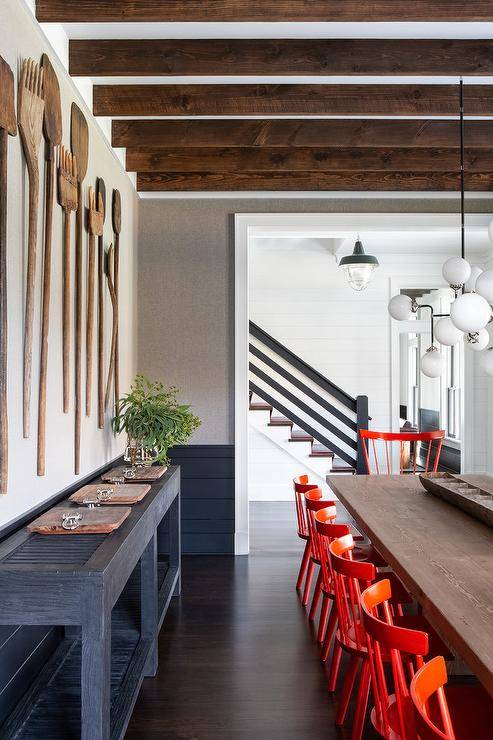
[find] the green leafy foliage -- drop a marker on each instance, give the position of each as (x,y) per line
(151,414)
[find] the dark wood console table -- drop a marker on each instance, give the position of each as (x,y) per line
(111,593)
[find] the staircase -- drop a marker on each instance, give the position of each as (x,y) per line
(313,410)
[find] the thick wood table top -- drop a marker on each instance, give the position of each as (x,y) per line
(444,557)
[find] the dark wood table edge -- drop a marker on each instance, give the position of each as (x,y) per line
(436,617)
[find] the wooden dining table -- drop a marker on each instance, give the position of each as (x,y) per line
(441,554)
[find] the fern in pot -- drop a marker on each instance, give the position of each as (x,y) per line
(154,421)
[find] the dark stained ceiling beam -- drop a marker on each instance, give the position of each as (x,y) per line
(98,11)
(347,132)
(115,58)
(299,159)
(350,181)
(290,100)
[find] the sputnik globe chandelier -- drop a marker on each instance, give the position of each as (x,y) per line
(471,310)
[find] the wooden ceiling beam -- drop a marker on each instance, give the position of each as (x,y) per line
(300,159)
(290,100)
(99,11)
(315,181)
(347,132)
(116,57)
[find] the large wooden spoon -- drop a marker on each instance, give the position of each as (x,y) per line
(109,269)
(117,227)
(53,136)
(101,191)
(79,137)
(30,118)
(8,125)
(96,223)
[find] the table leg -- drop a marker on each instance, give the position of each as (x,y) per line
(96,670)
(175,540)
(148,602)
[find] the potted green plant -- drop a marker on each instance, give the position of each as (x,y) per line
(153,420)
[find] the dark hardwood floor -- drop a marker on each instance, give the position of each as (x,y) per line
(236,657)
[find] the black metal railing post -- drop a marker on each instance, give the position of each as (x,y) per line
(361,423)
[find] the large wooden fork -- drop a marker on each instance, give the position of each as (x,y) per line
(30,119)
(68,199)
(96,224)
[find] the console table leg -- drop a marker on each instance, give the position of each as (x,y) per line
(148,602)
(175,540)
(96,671)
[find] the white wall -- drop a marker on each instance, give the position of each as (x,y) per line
(21,37)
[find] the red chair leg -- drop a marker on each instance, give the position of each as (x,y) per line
(347,690)
(324,614)
(308,583)
(334,668)
(303,566)
(361,701)
(329,632)
(316,598)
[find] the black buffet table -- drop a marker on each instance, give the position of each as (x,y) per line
(111,593)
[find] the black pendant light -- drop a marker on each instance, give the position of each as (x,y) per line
(359,267)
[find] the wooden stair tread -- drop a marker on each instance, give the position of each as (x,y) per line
(298,435)
(280,421)
(340,466)
(319,450)
(260,406)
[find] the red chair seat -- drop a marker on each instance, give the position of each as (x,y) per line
(419,622)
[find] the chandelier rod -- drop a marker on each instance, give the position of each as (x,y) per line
(462,175)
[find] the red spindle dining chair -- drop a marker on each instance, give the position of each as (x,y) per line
(314,502)
(370,438)
(457,711)
(402,641)
(301,486)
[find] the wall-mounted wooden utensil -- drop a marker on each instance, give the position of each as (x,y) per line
(117,227)
(8,125)
(52,128)
(101,191)
(67,197)
(79,137)
(30,118)
(109,269)
(96,222)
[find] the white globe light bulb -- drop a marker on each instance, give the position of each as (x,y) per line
(478,341)
(446,333)
(484,285)
(470,312)
(401,307)
(470,285)
(487,362)
(456,271)
(432,363)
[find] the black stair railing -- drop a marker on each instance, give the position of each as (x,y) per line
(346,429)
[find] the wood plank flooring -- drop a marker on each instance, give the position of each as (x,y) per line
(236,658)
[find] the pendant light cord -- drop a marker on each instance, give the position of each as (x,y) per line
(462,176)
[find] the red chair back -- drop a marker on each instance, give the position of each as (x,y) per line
(326,530)
(301,486)
(315,502)
(387,640)
(427,687)
(348,575)
(382,464)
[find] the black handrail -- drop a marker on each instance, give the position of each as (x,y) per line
(303,367)
(303,424)
(335,412)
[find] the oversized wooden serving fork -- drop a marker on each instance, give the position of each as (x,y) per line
(96,224)
(67,197)
(30,119)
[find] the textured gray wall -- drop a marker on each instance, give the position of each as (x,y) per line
(186,291)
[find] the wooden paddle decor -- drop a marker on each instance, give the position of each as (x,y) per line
(67,197)
(79,520)
(95,222)
(117,227)
(79,138)
(101,191)
(8,126)
(30,118)
(53,137)
(109,269)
